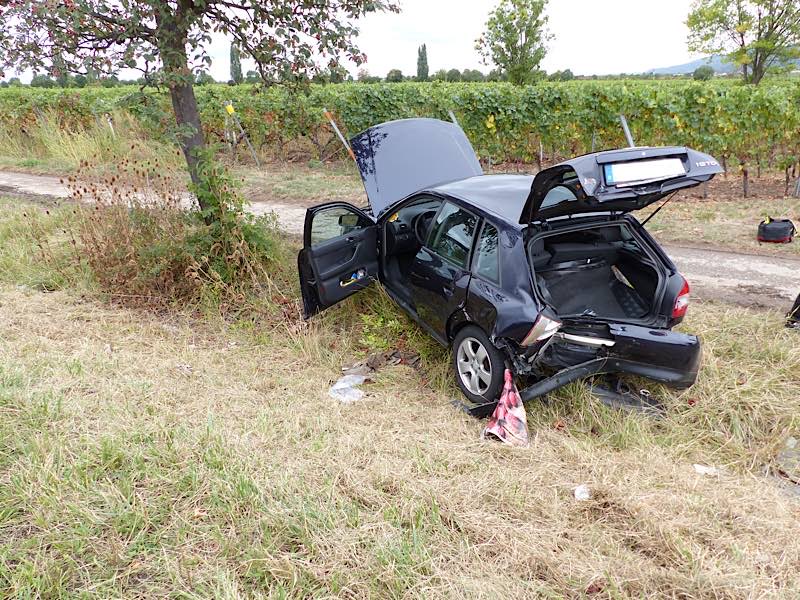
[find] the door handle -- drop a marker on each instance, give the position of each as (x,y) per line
(449,290)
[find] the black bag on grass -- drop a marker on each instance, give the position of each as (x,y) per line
(776,231)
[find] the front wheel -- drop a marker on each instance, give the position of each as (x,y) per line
(478,365)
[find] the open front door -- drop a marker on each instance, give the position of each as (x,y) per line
(339,255)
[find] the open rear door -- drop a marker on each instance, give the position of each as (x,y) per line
(339,255)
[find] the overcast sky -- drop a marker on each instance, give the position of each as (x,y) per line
(591,36)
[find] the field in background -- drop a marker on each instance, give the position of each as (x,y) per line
(744,125)
(756,129)
(180,454)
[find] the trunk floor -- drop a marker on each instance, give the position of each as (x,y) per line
(593,292)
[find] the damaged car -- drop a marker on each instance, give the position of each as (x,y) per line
(549,275)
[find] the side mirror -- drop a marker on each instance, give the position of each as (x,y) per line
(348,221)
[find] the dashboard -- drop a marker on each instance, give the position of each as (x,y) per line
(401,230)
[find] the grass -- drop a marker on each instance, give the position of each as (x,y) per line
(725,223)
(155,455)
(50,146)
(304,183)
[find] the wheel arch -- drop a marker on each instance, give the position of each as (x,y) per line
(457,321)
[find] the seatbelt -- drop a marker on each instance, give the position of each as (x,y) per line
(659,209)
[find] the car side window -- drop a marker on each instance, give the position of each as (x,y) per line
(333,222)
(452,234)
(487,263)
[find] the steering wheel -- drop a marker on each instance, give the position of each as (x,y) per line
(422,223)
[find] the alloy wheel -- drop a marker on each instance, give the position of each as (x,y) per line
(474,366)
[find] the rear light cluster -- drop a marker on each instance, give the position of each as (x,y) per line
(682,301)
(544,328)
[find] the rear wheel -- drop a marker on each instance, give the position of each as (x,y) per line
(478,365)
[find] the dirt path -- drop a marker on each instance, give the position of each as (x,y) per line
(745,279)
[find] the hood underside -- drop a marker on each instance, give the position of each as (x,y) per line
(399,158)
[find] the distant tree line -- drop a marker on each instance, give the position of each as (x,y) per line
(455,75)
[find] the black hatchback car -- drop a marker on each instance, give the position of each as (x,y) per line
(548,275)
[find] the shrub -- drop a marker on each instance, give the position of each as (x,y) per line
(144,246)
(703,73)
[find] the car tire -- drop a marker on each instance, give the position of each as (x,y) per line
(479,367)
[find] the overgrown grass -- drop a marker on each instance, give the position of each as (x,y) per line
(50,145)
(164,455)
(725,223)
(36,245)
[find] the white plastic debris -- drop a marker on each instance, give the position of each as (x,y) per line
(345,389)
(583,493)
(706,470)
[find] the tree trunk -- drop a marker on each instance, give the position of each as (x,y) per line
(745,180)
(172,38)
(187,117)
(786,182)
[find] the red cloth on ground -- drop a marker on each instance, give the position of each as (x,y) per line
(509,423)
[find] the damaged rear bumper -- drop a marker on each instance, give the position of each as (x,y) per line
(665,356)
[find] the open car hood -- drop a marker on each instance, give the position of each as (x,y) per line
(399,158)
(615,180)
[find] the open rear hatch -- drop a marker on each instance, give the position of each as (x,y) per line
(615,181)
(608,270)
(616,295)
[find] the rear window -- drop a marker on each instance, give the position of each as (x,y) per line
(561,191)
(557,195)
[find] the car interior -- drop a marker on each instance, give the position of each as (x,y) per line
(598,272)
(405,232)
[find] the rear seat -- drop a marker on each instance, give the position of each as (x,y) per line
(567,252)
(539,255)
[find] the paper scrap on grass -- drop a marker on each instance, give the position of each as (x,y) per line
(706,470)
(582,492)
(346,391)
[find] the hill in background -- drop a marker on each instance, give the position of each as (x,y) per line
(718,63)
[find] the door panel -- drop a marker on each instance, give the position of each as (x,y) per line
(339,257)
(440,274)
(344,265)
(438,288)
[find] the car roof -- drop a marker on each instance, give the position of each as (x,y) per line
(500,195)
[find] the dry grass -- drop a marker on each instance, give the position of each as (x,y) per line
(145,456)
(725,219)
(170,455)
(52,146)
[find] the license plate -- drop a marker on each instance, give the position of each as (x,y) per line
(643,171)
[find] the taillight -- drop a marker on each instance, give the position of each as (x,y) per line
(544,328)
(682,301)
